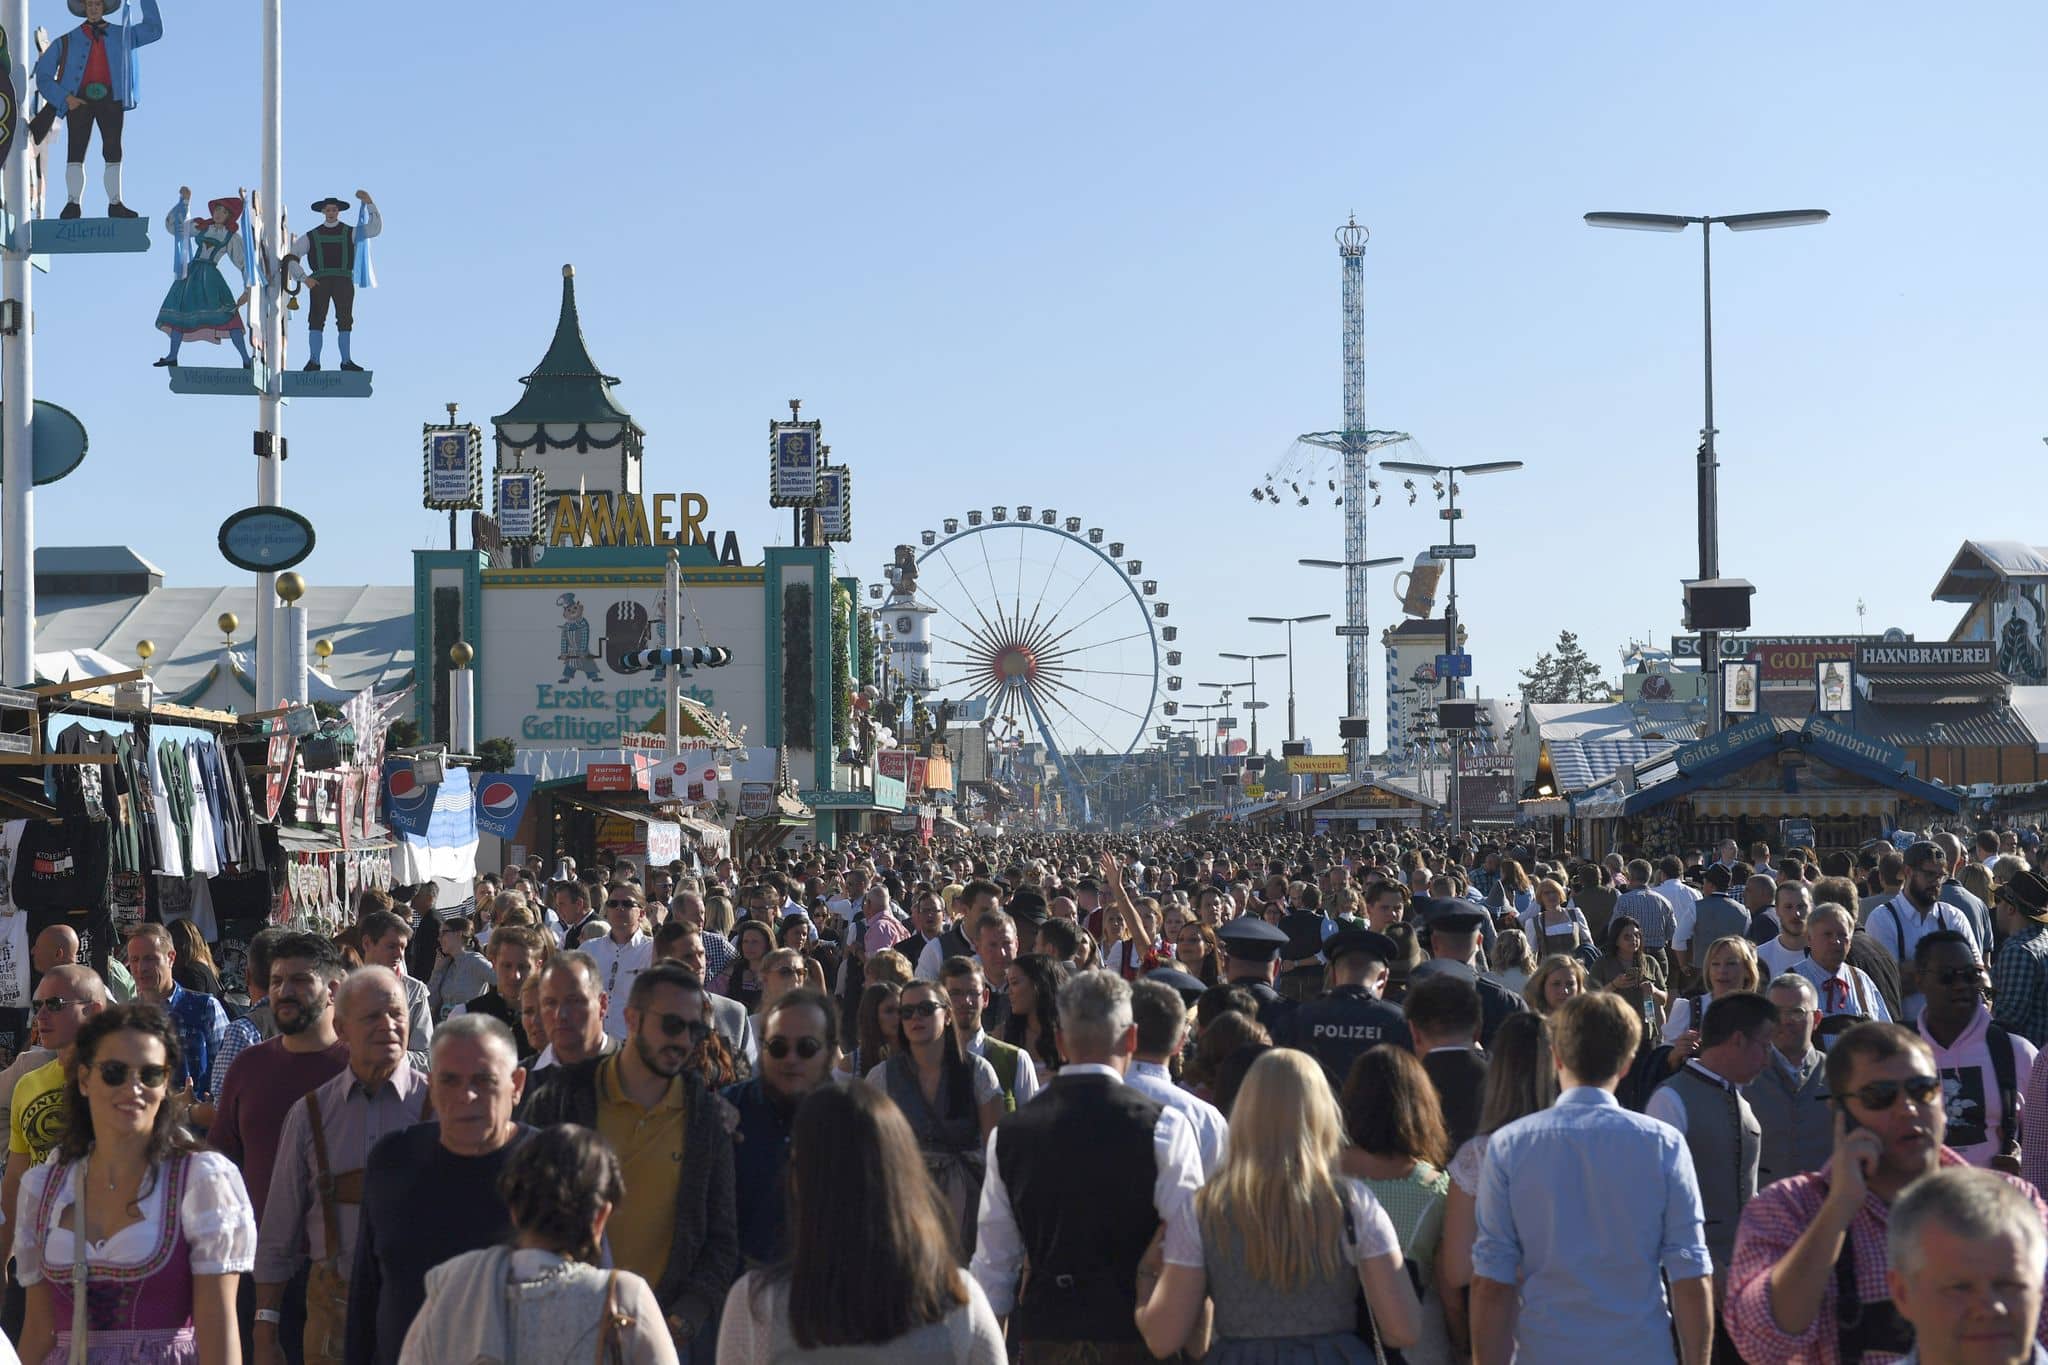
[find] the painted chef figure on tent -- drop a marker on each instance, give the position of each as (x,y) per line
(91,75)
(575,652)
(199,305)
(334,257)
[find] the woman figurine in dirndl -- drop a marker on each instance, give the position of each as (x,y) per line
(199,306)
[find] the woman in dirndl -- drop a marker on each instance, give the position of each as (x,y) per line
(167,1229)
(199,305)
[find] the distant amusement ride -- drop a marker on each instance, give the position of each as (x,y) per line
(1042,625)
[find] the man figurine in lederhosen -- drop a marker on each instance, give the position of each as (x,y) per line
(88,75)
(327,258)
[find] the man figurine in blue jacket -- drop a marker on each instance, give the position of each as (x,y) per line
(89,73)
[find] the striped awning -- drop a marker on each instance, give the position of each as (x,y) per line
(1730,804)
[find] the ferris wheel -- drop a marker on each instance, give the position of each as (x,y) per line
(1062,635)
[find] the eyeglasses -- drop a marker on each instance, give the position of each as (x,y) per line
(50,1004)
(115,1074)
(923,1009)
(806,1048)
(621,903)
(1883,1094)
(1957,976)
(784,970)
(675,1026)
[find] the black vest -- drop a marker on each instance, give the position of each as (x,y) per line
(1079,1167)
(333,251)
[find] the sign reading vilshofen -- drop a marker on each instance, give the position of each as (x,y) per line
(1915,656)
(628,519)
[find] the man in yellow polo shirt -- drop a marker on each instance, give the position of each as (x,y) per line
(65,998)
(677,1230)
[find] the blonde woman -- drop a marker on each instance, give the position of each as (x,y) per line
(1287,1239)
(1556,979)
(1729,966)
(1555,926)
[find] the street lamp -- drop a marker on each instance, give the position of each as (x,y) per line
(1254,660)
(1453,550)
(1354,704)
(1290,622)
(1709,510)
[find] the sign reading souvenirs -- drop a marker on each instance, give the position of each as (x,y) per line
(265,539)
(1317,763)
(793,461)
(628,519)
(1927,658)
(454,467)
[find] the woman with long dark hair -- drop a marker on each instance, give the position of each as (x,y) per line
(1631,973)
(1199,951)
(1398,1149)
(951,1097)
(168,1228)
(1033,985)
(752,942)
(862,1215)
(875,1028)
(543,1297)
(195,968)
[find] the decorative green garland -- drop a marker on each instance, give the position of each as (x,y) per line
(799,713)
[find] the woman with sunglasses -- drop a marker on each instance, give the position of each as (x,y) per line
(168,1228)
(951,1097)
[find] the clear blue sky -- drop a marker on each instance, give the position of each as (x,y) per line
(1080,255)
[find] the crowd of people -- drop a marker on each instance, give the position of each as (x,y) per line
(1255,1099)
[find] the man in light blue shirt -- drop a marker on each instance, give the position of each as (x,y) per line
(1580,1207)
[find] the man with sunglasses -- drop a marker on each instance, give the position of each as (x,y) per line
(65,998)
(1981,1064)
(1804,1239)
(678,1229)
(623,953)
(800,1039)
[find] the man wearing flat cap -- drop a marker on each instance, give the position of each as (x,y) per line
(89,74)
(1251,951)
(1350,1016)
(2019,972)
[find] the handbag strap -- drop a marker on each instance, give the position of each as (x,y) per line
(610,1350)
(78,1271)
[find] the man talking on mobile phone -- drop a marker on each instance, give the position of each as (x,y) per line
(1806,1241)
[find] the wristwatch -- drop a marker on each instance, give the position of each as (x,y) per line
(269,1315)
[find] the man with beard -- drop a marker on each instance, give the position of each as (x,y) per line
(678,1230)
(269,1078)
(799,1039)
(317,1187)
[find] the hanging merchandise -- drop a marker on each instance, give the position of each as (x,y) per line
(14,939)
(62,863)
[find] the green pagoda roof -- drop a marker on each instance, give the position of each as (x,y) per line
(567,388)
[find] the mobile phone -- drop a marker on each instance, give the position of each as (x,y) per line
(1849,1120)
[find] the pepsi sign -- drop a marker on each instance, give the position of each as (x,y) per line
(500,800)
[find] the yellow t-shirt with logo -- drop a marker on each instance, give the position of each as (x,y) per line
(36,1123)
(649,1143)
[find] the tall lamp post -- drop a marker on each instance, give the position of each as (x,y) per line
(1290,622)
(1253,706)
(1709,510)
(1357,697)
(1453,549)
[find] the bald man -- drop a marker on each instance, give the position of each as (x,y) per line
(57,946)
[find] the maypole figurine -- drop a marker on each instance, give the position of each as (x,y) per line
(89,73)
(199,306)
(335,257)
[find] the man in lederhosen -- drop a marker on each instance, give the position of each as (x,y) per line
(88,75)
(326,258)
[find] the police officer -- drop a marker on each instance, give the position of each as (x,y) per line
(1350,1017)
(1301,960)
(1251,948)
(1453,944)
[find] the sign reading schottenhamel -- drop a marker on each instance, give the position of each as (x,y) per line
(1928,657)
